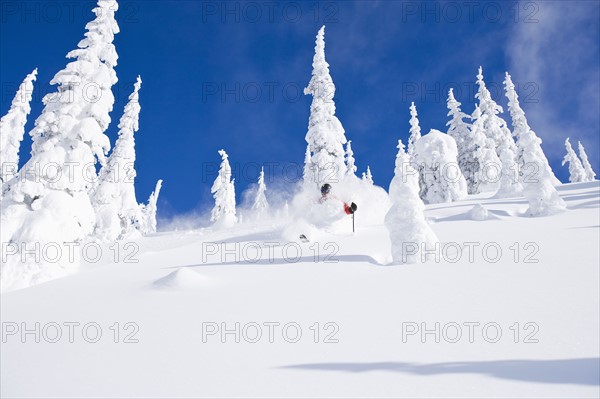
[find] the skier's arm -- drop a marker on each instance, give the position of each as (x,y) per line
(349,209)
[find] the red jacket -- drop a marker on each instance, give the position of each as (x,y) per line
(347,208)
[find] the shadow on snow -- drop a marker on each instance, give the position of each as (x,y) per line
(583,371)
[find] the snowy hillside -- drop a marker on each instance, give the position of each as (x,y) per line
(361,322)
(472,272)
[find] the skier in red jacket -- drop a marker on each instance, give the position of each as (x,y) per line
(326,195)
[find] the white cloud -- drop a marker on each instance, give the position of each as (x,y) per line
(560,53)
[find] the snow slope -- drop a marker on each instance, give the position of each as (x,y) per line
(176,291)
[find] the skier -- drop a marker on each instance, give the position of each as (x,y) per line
(326,199)
(349,209)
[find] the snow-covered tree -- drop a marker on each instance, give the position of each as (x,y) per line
(260,205)
(510,179)
(308,178)
(325,136)
(415,130)
(486,173)
(520,126)
(440,178)
(409,231)
(590,175)
(368,177)
(49,202)
(510,184)
(146,217)
(494,126)
(458,129)
(350,161)
(223,190)
(467,143)
(477,157)
(576,171)
(12,129)
(538,188)
(114,197)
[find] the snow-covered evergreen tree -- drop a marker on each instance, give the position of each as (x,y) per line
(520,126)
(538,188)
(114,197)
(260,205)
(415,130)
(12,129)
(458,129)
(409,231)
(350,161)
(576,171)
(477,157)
(590,175)
(325,136)
(440,178)
(223,190)
(467,143)
(308,178)
(368,177)
(486,174)
(146,217)
(510,184)
(44,205)
(494,126)
(510,179)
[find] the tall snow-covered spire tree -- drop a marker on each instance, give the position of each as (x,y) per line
(466,143)
(326,136)
(260,205)
(494,126)
(576,171)
(488,167)
(76,116)
(223,190)
(590,175)
(409,231)
(538,189)
(415,130)
(510,179)
(350,161)
(520,126)
(12,128)
(368,177)
(114,197)
(457,127)
(50,206)
(146,217)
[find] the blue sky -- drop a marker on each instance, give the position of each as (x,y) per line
(230,74)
